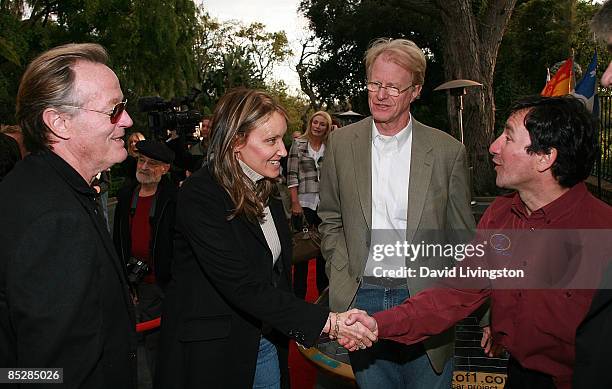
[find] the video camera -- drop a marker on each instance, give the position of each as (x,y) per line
(175,114)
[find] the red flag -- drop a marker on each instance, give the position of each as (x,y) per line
(560,84)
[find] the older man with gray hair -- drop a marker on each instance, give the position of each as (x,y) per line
(390,176)
(64,300)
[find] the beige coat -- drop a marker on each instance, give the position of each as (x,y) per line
(438,199)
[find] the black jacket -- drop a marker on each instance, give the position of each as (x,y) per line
(225,292)
(162,227)
(64,298)
(594,341)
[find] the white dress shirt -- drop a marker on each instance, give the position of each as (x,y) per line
(390,181)
(390,178)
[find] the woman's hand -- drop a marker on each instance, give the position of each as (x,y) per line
(296,209)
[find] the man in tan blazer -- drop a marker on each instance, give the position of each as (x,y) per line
(389,172)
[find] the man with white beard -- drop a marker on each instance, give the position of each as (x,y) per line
(143,229)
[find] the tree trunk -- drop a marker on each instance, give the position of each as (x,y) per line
(470,53)
(302,71)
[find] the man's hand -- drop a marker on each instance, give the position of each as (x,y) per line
(357,330)
(490,348)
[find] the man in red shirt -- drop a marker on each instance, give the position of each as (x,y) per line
(143,230)
(545,152)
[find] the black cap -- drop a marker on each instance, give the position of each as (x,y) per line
(155,150)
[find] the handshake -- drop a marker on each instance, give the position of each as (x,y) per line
(353,329)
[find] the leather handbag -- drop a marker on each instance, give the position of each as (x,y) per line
(306,242)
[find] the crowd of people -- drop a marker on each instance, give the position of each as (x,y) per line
(208,248)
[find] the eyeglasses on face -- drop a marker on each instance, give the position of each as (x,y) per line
(391,90)
(114,115)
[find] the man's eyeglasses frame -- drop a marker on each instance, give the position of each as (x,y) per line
(114,115)
(392,91)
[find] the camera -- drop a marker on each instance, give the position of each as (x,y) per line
(175,114)
(136,270)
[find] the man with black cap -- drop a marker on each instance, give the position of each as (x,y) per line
(143,229)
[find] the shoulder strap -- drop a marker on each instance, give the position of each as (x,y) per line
(134,203)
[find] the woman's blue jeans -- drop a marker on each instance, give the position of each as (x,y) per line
(267,372)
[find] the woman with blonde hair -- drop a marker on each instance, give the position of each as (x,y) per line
(134,138)
(229,310)
(303,167)
(129,164)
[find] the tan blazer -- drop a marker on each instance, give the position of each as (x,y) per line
(438,199)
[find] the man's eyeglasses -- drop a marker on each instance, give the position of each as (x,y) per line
(391,90)
(114,115)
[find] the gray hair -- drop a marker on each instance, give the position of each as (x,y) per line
(48,82)
(402,52)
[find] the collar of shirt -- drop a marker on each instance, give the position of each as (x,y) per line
(398,140)
(267,225)
(316,154)
(555,209)
(252,174)
(70,175)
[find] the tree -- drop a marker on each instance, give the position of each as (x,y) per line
(541,34)
(140,36)
(230,54)
(472,38)
(304,68)
(264,48)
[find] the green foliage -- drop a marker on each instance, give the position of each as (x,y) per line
(149,43)
(230,54)
(295,107)
(541,34)
(538,36)
(583,40)
(156,47)
(263,48)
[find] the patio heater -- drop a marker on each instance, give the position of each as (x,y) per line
(458,88)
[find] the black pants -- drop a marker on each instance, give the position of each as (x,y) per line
(149,304)
(300,272)
(521,378)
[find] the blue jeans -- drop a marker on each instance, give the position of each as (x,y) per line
(390,364)
(267,371)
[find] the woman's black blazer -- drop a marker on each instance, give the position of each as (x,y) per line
(225,293)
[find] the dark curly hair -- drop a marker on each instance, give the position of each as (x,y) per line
(563,123)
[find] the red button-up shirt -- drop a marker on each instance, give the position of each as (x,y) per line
(537,327)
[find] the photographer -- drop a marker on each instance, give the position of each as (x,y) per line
(144,221)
